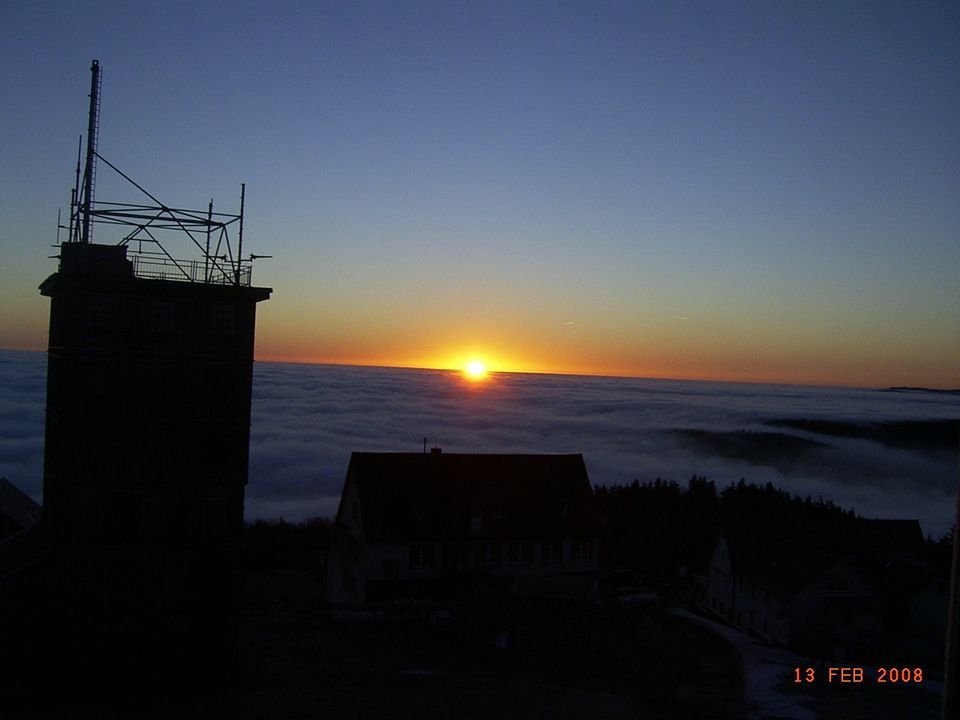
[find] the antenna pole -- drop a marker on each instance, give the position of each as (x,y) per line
(243,192)
(90,170)
(206,254)
(74,198)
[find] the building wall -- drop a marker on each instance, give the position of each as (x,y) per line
(147,434)
(926,625)
(720,595)
(837,609)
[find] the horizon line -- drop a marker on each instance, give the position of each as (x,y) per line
(584,374)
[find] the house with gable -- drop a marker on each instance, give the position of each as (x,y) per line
(791,594)
(862,590)
(415,526)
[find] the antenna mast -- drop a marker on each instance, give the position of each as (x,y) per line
(90,170)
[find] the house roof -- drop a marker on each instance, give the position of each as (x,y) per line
(18,507)
(902,538)
(777,563)
(442,496)
(897,579)
(785,557)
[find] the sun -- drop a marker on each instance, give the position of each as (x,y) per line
(475,370)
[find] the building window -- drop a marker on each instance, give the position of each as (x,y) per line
(391,569)
(421,555)
(489,553)
(582,551)
(154,516)
(455,556)
(839,583)
(552,552)
(520,553)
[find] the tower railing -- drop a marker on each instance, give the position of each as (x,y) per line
(161,267)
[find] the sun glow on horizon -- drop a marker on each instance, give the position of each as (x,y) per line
(475,370)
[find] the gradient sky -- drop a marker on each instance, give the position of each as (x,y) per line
(750,191)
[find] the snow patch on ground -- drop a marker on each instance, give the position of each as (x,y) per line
(764,667)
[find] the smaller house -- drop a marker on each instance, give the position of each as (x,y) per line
(422,526)
(791,594)
(863,591)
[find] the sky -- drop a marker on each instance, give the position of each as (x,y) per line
(762,191)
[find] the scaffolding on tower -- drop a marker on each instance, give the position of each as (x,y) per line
(147,227)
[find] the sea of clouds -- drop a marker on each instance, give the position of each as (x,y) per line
(307,419)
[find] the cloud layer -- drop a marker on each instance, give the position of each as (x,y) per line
(307,419)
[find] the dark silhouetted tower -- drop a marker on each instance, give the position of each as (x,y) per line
(149,377)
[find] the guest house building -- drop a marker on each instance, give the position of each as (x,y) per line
(412,525)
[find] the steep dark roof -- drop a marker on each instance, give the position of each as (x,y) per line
(17,509)
(895,578)
(786,556)
(438,496)
(894,537)
(776,563)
